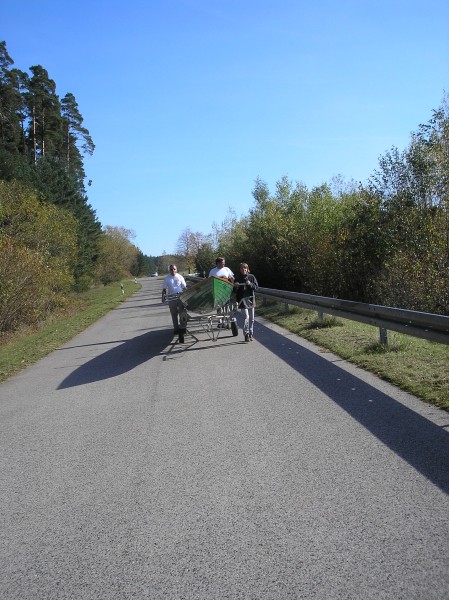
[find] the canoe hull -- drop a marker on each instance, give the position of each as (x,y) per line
(207,295)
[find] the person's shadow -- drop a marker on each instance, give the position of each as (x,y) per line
(120,359)
(420,442)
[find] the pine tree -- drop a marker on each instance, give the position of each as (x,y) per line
(74,134)
(45,128)
(9,122)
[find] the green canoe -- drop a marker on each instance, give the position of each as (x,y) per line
(207,295)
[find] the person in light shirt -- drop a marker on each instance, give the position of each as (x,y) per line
(221,271)
(173,285)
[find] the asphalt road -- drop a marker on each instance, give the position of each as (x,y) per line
(133,467)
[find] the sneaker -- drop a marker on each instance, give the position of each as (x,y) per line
(246,337)
(251,339)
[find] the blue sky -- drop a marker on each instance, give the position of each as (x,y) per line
(189,101)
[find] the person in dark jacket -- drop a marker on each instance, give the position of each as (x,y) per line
(245,285)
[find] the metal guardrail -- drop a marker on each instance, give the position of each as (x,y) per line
(417,324)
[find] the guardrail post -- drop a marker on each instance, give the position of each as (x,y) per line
(286,307)
(321,315)
(383,336)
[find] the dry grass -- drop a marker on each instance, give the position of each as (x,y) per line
(25,347)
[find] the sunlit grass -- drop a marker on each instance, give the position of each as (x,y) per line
(415,365)
(29,345)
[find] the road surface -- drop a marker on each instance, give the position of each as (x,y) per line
(134,467)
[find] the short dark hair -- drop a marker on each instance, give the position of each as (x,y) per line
(219,259)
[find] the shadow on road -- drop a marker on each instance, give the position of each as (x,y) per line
(120,359)
(418,441)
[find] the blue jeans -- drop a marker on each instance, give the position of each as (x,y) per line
(248,315)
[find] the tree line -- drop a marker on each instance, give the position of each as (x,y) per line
(385,241)
(51,242)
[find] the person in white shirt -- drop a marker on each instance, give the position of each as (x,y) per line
(221,271)
(174,284)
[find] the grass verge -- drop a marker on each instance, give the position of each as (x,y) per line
(29,345)
(414,365)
